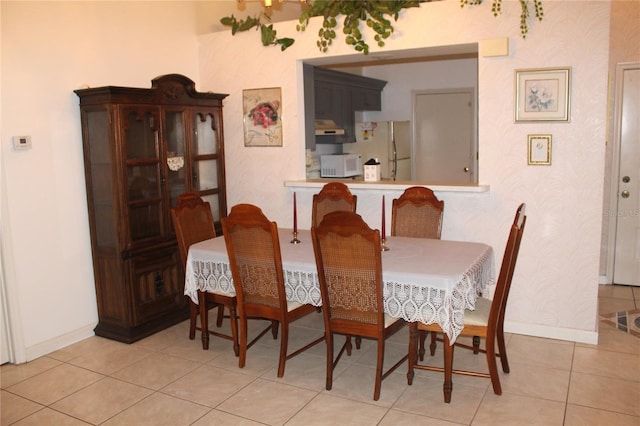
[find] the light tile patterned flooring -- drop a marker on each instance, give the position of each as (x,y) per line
(167,379)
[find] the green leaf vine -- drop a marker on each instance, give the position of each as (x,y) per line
(267,33)
(374,14)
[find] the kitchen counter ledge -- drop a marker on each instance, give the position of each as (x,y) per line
(388,185)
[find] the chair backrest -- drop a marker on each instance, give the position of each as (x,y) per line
(254,256)
(417,213)
(499,304)
(334,196)
(192,222)
(349,266)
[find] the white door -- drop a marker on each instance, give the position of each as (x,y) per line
(627,252)
(444,141)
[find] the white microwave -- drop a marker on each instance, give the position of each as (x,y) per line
(340,165)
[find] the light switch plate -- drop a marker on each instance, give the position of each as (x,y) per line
(22,142)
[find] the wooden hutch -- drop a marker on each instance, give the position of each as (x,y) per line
(142,149)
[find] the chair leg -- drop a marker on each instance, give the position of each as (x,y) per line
(476,345)
(434,343)
(348,345)
(284,340)
(502,347)
(220,316)
(358,342)
(193,316)
(493,368)
(329,340)
(379,366)
(204,319)
(413,350)
(447,387)
(233,318)
(243,342)
(274,329)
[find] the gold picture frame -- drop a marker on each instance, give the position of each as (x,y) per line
(539,152)
(543,94)
(262,116)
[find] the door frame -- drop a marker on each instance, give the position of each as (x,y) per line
(615,166)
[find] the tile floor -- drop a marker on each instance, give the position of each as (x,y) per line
(167,379)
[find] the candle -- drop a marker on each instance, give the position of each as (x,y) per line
(295,213)
(383,221)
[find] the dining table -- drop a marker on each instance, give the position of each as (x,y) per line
(426,280)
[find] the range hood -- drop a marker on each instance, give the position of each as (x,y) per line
(327,127)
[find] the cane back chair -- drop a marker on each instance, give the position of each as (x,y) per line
(348,258)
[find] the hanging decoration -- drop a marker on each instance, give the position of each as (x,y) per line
(374,14)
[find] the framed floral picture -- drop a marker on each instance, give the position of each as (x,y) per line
(262,111)
(542,94)
(539,150)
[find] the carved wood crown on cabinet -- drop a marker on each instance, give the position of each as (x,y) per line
(142,149)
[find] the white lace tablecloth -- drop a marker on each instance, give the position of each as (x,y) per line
(425,280)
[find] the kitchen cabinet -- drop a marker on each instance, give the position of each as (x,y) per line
(336,96)
(142,149)
(333,102)
(363,99)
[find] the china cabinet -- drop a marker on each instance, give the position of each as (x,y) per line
(142,149)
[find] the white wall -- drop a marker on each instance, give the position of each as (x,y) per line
(402,79)
(555,283)
(48,50)
(45,238)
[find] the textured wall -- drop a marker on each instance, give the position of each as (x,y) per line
(555,284)
(50,49)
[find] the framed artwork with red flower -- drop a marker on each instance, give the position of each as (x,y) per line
(262,110)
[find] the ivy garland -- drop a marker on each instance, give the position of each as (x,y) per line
(375,14)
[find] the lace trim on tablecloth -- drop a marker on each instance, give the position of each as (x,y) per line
(465,294)
(305,287)
(428,305)
(208,276)
(402,300)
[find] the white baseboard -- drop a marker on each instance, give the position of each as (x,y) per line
(569,334)
(44,348)
(604,280)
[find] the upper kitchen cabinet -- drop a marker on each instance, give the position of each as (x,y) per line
(142,149)
(337,96)
(363,99)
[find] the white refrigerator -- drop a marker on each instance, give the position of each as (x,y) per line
(389,142)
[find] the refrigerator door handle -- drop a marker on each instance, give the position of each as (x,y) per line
(395,161)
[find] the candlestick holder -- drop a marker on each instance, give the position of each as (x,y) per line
(383,245)
(295,238)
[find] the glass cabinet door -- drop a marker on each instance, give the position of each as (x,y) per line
(208,171)
(101,168)
(142,173)
(177,167)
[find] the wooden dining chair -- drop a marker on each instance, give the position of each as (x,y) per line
(193,222)
(417,213)
(487,320)
(334,196)
(256,266)
(349,263)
